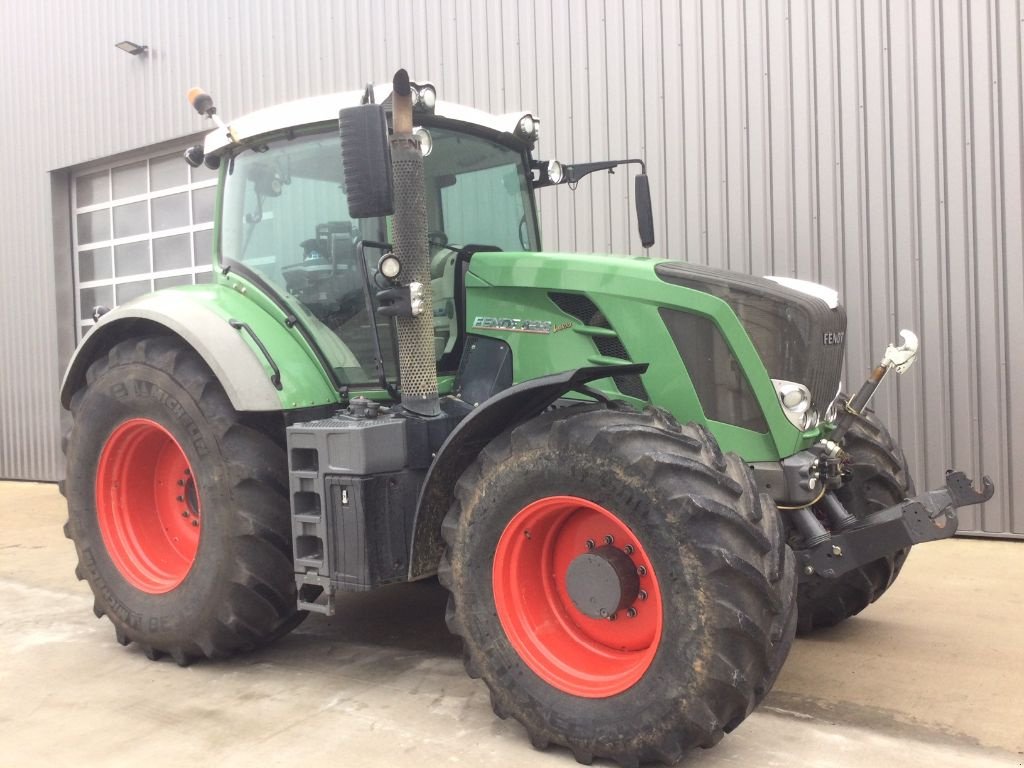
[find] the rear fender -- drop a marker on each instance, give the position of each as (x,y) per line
(200,315)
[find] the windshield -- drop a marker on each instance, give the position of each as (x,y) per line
(285,217)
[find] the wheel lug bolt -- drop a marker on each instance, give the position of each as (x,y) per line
(589,544)
(184,513)
(628,549)
(631,612)
(180,498)
(643,594)
(613,617)
(181,482)
(608,540)
(641,570)
(195,523)
(188,471)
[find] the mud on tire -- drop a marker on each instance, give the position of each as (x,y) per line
(725,577)
(880,479)
(239,591)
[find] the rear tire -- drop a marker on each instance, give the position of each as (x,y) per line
(880,479)
(718,620)
(178,510)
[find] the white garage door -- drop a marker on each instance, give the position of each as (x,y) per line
(139,226)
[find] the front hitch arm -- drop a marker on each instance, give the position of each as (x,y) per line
(929,516)
(896,358)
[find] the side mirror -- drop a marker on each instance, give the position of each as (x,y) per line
(644,210)
(366,161)
(553,172)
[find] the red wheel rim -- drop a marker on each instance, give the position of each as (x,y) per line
(147,504)
(577,654)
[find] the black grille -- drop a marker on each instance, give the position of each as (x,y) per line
(723,390)
(631,386)
(586,311)
(788,328)
(611,346)
(580,307)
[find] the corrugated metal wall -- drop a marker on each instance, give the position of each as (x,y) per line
(873,146)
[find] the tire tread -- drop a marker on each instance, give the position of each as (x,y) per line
(260,605)
(746,560)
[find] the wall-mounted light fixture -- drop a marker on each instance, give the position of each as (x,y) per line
(133,48)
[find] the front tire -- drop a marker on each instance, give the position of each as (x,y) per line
(695,643)
(177,509)
(879,479)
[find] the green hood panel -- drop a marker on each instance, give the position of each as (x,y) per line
(628,294)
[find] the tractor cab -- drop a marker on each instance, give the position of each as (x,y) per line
(285,222)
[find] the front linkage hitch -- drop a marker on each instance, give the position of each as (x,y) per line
(929,516)
(855,542)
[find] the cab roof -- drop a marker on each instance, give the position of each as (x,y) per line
(321,109)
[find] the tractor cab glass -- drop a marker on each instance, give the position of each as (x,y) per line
(285,219)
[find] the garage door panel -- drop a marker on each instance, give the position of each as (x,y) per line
(139,226)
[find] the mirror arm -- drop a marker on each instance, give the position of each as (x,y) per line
(573,173)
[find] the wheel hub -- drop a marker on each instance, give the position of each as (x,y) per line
(603,582)
(551,584)
(148,506)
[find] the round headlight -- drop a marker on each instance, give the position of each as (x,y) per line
(796,404)
(795,397)
(794,400)
(389,266)
(428,97)
(555,172)
(810,419)
(422,135)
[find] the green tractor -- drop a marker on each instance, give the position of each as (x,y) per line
(637,478)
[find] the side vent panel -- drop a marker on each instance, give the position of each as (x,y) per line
(606,341)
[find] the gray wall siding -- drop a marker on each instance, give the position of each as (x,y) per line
(873,146)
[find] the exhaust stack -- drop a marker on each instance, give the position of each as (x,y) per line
(416,358)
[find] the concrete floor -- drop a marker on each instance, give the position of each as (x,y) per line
(932,676)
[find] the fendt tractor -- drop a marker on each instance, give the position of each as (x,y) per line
(636,477)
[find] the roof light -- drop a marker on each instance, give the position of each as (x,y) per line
(428,97)
(424,98)
(527,127)
(194,156)
(422,135)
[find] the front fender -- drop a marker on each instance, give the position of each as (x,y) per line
(199,315)
(502,412)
